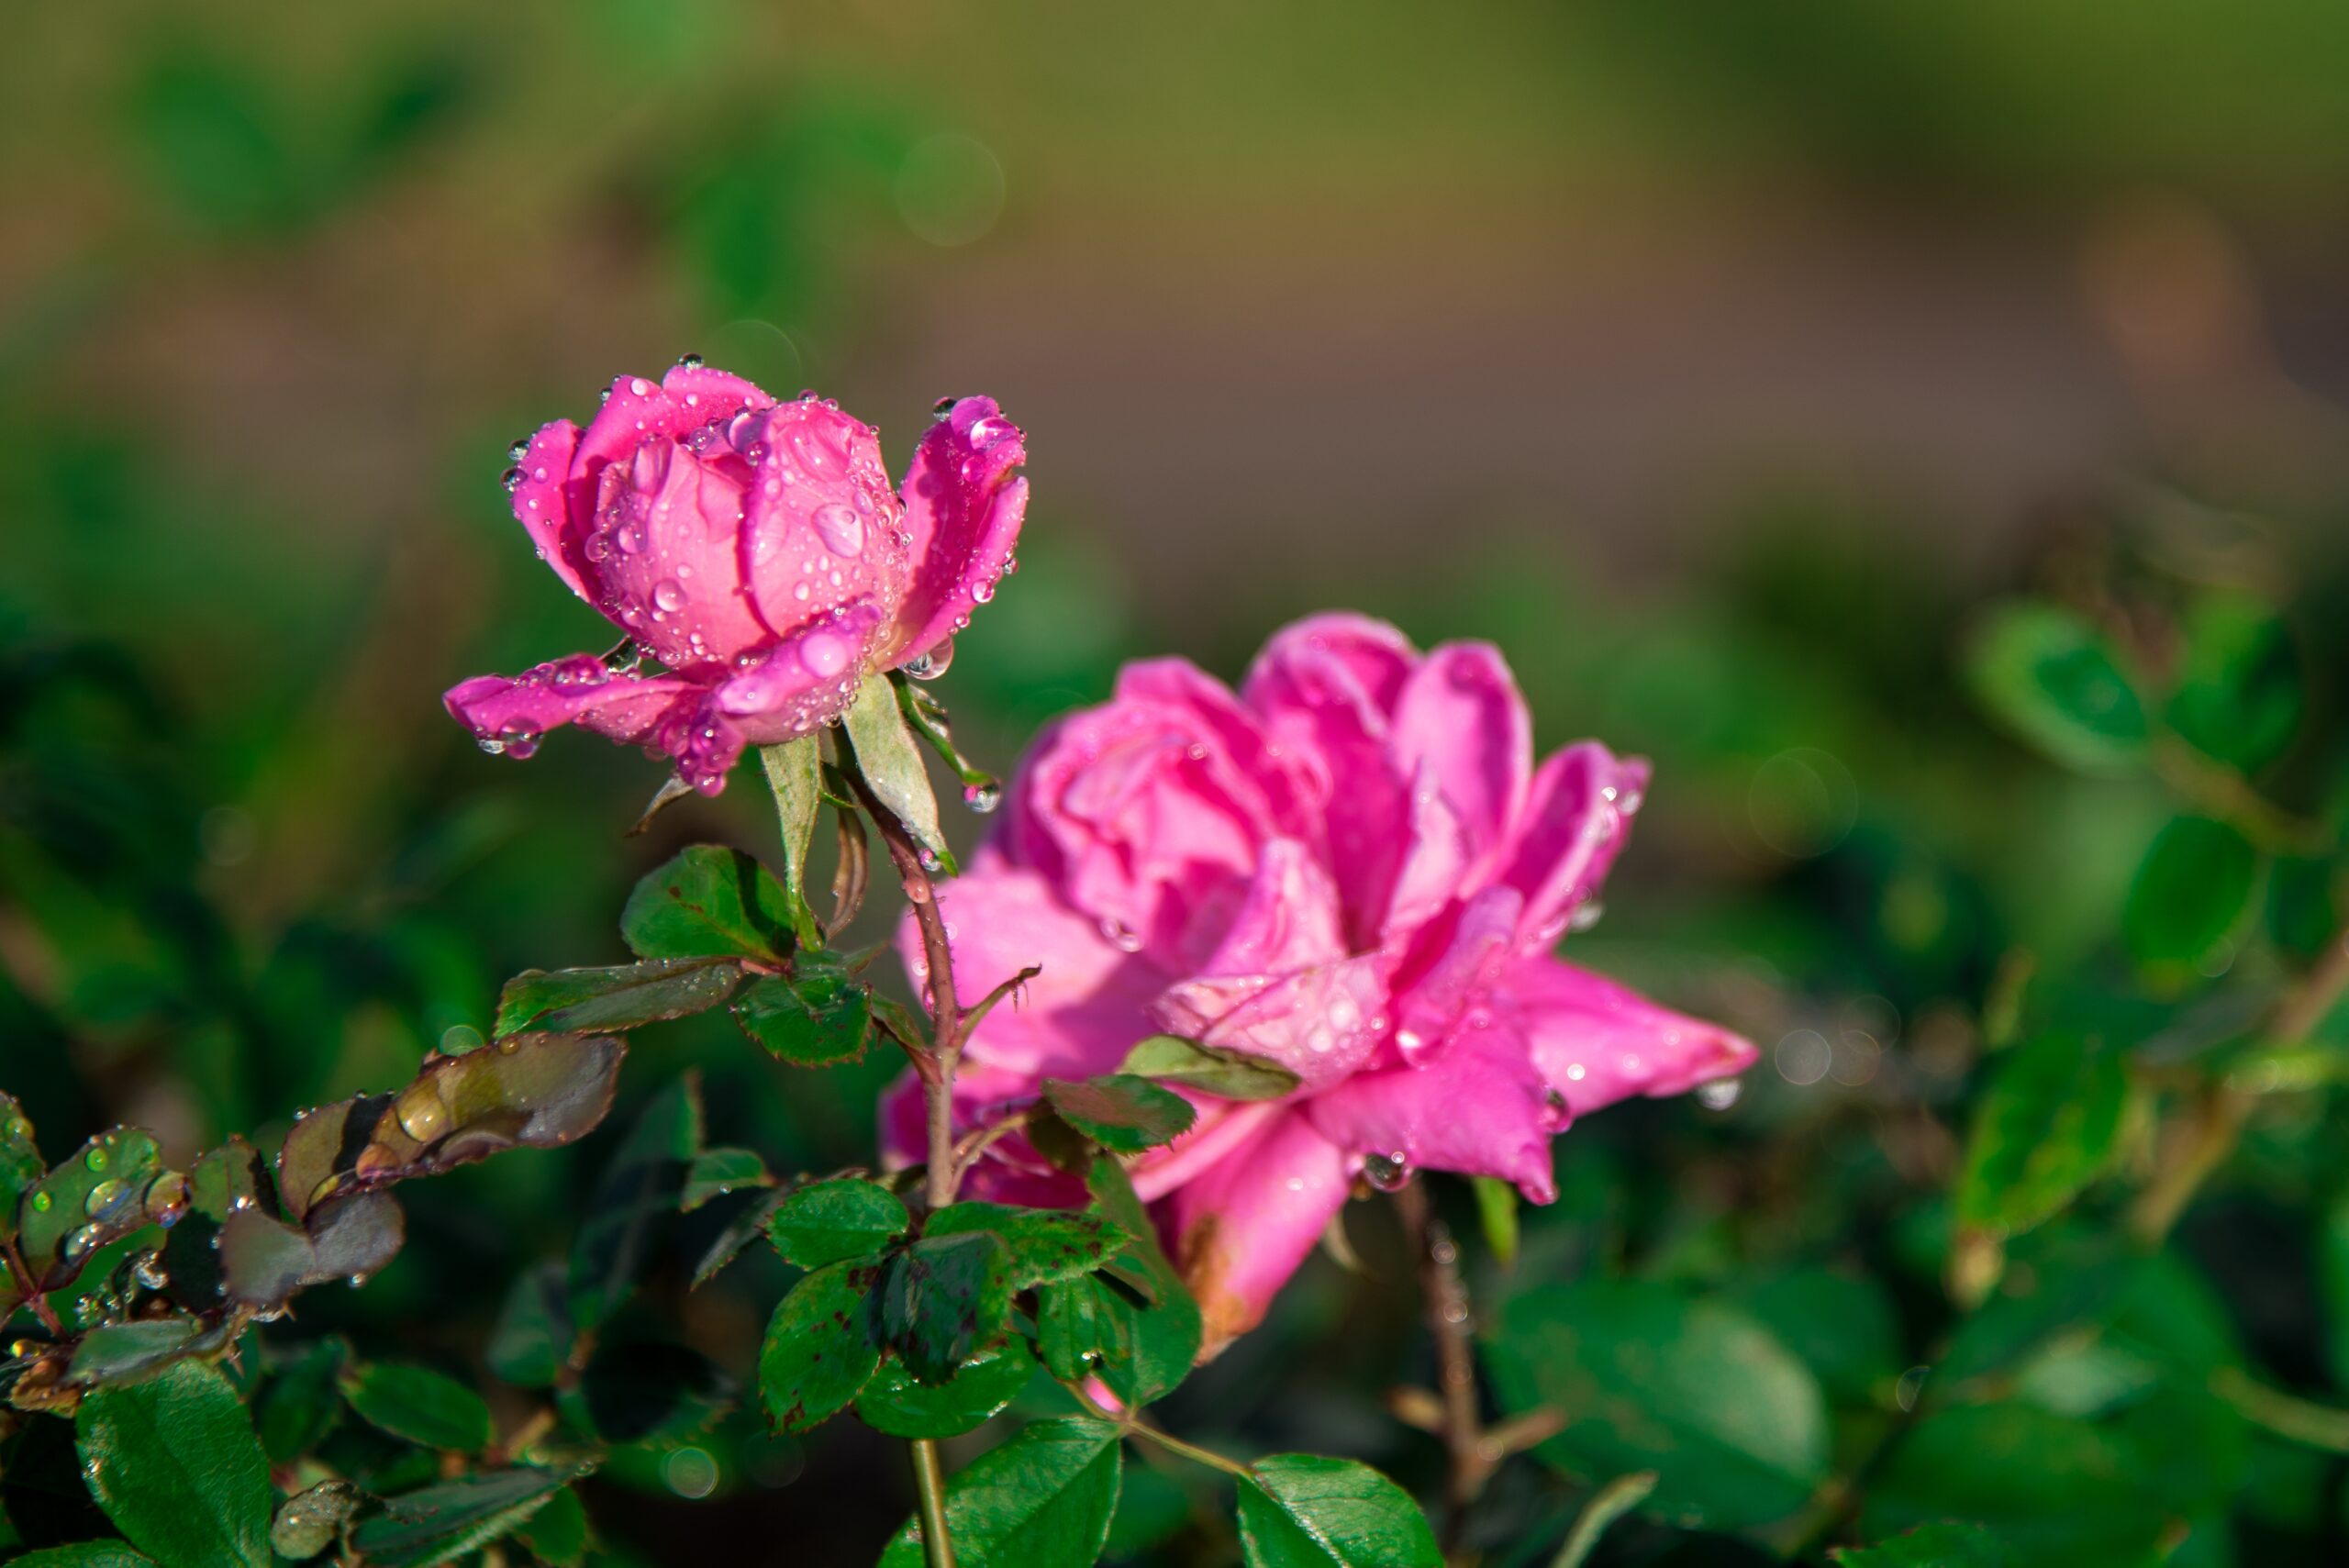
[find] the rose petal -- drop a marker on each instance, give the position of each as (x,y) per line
(804,681)
(1596,1041)
(963,510)
(1481,1108)
(1010,1171)
(1577,817)
(1461,712)
(1457,962)
(542,506)
(662,712)
(1241,1228)
(1180,685)
(824,528)
(663,540)
(1306,663)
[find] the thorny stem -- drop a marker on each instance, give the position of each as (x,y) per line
(1474,1454)
(2219,1119)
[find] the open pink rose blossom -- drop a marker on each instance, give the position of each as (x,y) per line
(1355,869)
(756,549)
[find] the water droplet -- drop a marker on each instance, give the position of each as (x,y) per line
(42,1202)
(95,1160)
(491,744)
(1388,1172)
(824,654)
(930,666)
(689,362)
(668,597)
(1119,935)
(423,1114)
(148,1270)
(357,1280)
(519,739)
(1585,915)
(103,1197)
(841,528)
(167,1200)
(942,407)
(1576,1073)
(79,1243)
(980,592)
(982,798)
(929,858)
(629,537)
(1721,1094)
(511,479)
(640,386)
(743,430)
(519,449)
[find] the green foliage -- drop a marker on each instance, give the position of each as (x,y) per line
(625,996)
(2041,1132)
(1043,1500)
(631,1207)
(1122,1113)
(1300,1510)
(2056,682)
(835,1222)
(896,1401)
(2189,895)
(709,902)
(817,1016)
(417,1404)
(944,1298)
(435,1524)
(174,1463)
(890,763)
(1931,1546)
(1215,1070)
(823,1345)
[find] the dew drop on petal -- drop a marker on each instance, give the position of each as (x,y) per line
(930,666)
(668,597)
(824,654)
(982,798)
(1388,1172)
(841,528)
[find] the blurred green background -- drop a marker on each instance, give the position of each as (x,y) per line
(1717,360)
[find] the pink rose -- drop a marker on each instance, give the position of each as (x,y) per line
(754,549)
(1355,869)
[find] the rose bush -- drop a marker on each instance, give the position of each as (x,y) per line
(1353,868)
(756,550)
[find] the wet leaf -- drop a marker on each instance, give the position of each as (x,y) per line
(1165,1333)
(818,1017)
(557,1533)
(418,1406)
(2238,691)
(436,1524)
(1045,1243)
(120,1353)
(745,1227)
(837,1221)
(822,1346)
(944,1299)
(795,773)
(929,719)
(892,766)
(634,1203)
(175,1465)
(1081,1327)
(532,1338)
(1213,1070)
(716,1172)
(1043,1500)
(1301,1511)
(95,1195)
(308,1522)
(624,996)
(1120,1112)
(263,1260)
(20,1163)
(895,1404)
(84,1554)
(708,902)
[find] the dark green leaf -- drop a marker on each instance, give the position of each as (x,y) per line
(795,773)
(893,1402)
(635,1202)
(818,1017)
(1046,1244)
(1151,1511)
(418,1406)
(945,1298)
(625,996)
(1653,1379)
(1930,1546)
(1842,1325)
(1122,1113)
(232,1177)
(2054,1489)
(1081,1326)
(438,1523)
(2043,1130)
(822,1346)
(716,1172)
(1043,1500)
(20,1163)
(835,1222)
(1165,1334)
(1497,1216)
(557,1534)
(83,1555)
(95,1196)
(746,1226)
(930,720)
(1300,1510)
(648,1393)
(1214,1070)
(308,1522)
(119,1352)
(2190,893)
(709,902)
(300,1401)
(2053,679)
(2302,910)
(891,764)
(532,1336)
(176,1466)
(2238,693)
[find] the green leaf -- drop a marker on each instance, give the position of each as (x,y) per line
(119,1352)
(97,1195)
(891,764)
(436,1524)
(930,720)
(647,1392)
(837,1221)
(2052,1488)
(1214,1070)
(2189,894)
(746,1226)
(822,1345)
(2302,912)
(1122,1113)
(1842,1325)
(635,1202)
(535,1091)
(1152,1509)
(708,902)
(625,996)
(2053,680)
(20,1163)
(417,1404)
(795,773)
(83,1555)
(945,1298)
(557,1534)
(818,1017)
(532,1336)
(175,1465)
(1300,1510)
(308,1522)
(1653,1379)
(895,1404)
(1046,1244)
(1165,1332)
(1929,1546)
(299,1402)
(1080,1327)
(2238,692)
(2043,1130)
(716,1172)
(1497,1216)
(1043,1500)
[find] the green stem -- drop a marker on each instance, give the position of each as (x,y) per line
(930,1483)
